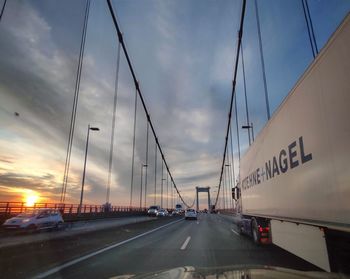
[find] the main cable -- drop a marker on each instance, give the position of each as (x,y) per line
(121,40)
(240,33)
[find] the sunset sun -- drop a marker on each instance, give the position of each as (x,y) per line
(31,199)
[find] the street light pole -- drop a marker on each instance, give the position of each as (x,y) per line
(84,171)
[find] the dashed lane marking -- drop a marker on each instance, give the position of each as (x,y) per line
(70,263)
(183,247)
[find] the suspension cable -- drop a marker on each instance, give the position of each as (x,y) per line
(240,33)
(310,29)
(167,190)
(111,148)
(161,186)
(121,40)
(232,159)
(262,61)
(155,174)
(133,149)
(311,26)
(147,134)
(245,95)
(237,130)
(2,9)
(75,104)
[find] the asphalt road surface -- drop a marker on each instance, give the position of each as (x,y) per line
(211,241)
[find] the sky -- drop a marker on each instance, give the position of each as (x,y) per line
(183,54)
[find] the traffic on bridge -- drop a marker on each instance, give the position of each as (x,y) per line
(174,139)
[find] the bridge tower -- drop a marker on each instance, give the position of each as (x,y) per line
(203,189)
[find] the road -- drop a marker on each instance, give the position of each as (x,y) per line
(70,229)
(211,241)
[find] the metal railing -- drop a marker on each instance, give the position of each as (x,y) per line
(11,208)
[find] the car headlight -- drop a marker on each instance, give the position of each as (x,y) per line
(25,220)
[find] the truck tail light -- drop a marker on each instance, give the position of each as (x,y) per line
(261,229)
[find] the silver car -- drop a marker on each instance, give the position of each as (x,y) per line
(35,220)
(153,210)
(190,213)
(162,213)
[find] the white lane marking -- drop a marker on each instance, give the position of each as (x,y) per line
(75,261)
(197,222)
(183,247)
(234,232)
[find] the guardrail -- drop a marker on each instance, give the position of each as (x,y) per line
(12,208)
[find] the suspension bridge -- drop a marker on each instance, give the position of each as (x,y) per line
(104,239)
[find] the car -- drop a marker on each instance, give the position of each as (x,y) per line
(153,210)
(179,208)
(190,213)
(177,212)
(162,213)
(36,219)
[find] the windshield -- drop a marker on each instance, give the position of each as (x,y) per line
(26,215)
(30,213)
(140,136)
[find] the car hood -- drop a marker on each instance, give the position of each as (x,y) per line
(234,272)
(16,220)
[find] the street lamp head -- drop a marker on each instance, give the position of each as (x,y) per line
(246,127)
(94,128)
(227,165)
(145,165)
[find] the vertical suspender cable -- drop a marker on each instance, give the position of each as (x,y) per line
(232,160)
(262,61)
(237,130)
(2,9)
(308,29)
(161,187)
(227,182)
(133,150)
(245,95)
(311,26)
(224,188)
(167,190)
(147,135)
(75,104)
(155,175)
(111,148)
(230,177)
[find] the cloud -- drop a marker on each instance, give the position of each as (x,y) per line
(183,54)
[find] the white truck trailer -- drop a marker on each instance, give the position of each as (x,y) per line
(294,186)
